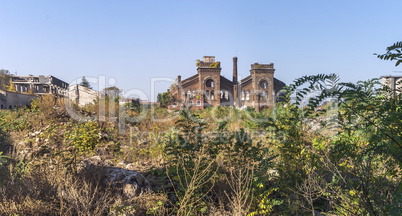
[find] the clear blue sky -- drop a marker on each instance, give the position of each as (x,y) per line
(134,41)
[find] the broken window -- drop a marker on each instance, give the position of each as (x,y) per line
(264,84)
(189,94)
(209,83)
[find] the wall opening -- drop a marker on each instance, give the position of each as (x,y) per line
(209,83)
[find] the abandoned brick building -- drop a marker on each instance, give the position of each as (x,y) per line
(209,88)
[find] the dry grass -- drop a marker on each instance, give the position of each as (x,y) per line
(240,183)
(193,181)
(49,189)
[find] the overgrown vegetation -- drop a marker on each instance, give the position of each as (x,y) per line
(164,99)
(4,79)
(343,158)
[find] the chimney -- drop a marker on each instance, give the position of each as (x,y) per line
(178,79)
(235,69)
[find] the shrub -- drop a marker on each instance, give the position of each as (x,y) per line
(84,136)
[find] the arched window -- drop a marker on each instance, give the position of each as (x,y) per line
(264,84)
(221,94)
(266,95)
(191,103)
(242,95)
(248,95)
(193,92)
(198,103)
(209,83)
(207,94)
(212,95)
(226,95)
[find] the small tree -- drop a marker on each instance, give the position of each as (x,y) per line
(85,83)
(164,98)
(4,79)
(112,93)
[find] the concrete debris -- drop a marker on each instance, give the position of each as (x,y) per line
(130,182)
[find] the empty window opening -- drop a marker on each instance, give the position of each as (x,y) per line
(209,83)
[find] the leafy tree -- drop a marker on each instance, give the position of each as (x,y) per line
(112,93)
(164,98)
(394,52)
(354,172)
(85,83)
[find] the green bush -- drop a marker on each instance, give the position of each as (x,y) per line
(84,136)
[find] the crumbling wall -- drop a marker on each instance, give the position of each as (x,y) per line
(12,100)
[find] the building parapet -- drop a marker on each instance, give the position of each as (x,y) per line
(262,66)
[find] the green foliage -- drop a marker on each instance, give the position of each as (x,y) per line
(357,169)
(189,164)
(3,158)
(85,83)
(234,150)
(84,136)
(191,139)
(112,93)
(4,172)
(148,146)
(394,52)
(256,120)
(165,99)
(14,120)
(265,203)
(186,144)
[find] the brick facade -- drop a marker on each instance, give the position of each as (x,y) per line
(209,88)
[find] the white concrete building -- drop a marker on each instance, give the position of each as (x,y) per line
(393,82)
(82,95)
(39,85)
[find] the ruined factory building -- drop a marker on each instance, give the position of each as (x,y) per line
(209,88)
